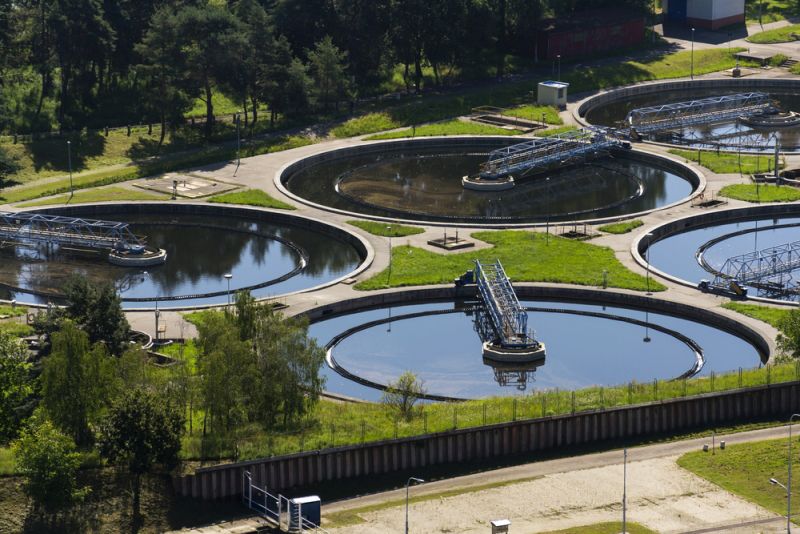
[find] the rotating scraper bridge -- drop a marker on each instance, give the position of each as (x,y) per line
(768,270)
(125,247)
(678,115)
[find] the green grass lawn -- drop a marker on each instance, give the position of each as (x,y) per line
(526,256)
(12,312)
(605,528)
(622,227)
(745,470)
(102,194)
(767,314)
(437,108)
(251,197)
(761,192)
(16,328)
(726,162)
(770,10)
(451,127)
(778,35)
(534,112)
(387,229)
(168,163)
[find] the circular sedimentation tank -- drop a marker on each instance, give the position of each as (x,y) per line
(588,344)
(749,134)
(421,180)
(695,248)
(266,253)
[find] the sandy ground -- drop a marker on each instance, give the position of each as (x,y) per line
(661,496)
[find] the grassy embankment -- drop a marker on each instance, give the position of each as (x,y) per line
(387,229)
(251,197)
(526,256)
(102,194)
(768,314)
(621,227)
(761,192)
(745,470)
(727,162)
(605,528)
(169,162)
(766,11)
(10,322)
(778,35)
(438,108)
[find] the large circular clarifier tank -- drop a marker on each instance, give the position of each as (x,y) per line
(611,108)
(420,180)
(587,345)
(266,253)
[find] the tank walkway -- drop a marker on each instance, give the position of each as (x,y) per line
(507,320)
(703,111)
(53,229)
(768,269)
(540,154)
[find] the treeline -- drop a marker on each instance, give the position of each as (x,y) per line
(72,64)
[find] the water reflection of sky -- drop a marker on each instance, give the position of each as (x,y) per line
(675,254)
(445,351)
(200,251)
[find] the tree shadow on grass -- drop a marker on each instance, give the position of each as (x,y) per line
(52,154)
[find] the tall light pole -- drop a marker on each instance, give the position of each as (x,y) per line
(558,57)
(692,67)
(389,235)
(624,488)
(647,260)
(789,483)
(228,277)
(238,145)
(69,165)
(408,483)
(547,207)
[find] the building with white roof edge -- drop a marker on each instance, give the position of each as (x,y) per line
(708,14)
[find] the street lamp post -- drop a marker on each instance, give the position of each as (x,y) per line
(647,260)
(389,235)
(408,483)
(624,488)
(789,483)
(69,165)
(228,277)
(547,207)
(692,68)
(558,57)
(238,145)
(788,497)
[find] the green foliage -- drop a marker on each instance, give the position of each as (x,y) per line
(761,193)
(77,382)
(769,315)
(451,127)
(789,337)
(402,394)
(778,59)
(527,257)
(327,65)
(251,197)
(745,469)
(141,431)
(784,34)
(766,11)
(555,131)
(16,385)
(387,229)
(727,162)
(97,308)
(621,227)
(48,461)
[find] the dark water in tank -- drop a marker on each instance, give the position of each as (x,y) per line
(200,251)
(426,185)
(726,134)
(445,351)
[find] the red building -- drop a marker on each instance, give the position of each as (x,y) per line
(589,33)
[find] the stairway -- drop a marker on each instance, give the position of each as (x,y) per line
(789,63)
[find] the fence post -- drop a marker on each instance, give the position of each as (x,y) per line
(573,402)
(740,377)
(484,413)
(455,416)
(425,422)
(363,430)
(514,410)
